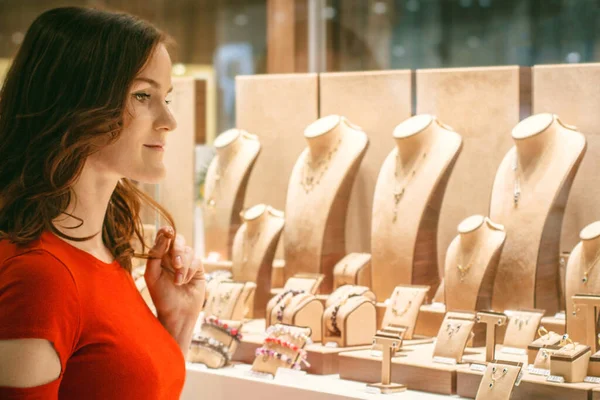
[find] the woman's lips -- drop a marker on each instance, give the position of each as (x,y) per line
(155,147)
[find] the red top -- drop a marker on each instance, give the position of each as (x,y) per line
(109,343)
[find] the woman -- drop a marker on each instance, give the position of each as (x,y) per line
(83,111)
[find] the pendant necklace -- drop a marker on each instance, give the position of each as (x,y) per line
(318,169)
(588,269)
(400,186)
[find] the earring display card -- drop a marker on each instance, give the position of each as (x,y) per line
(452,339)
(521,329)
(499,380)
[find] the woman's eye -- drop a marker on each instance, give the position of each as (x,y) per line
(141,96)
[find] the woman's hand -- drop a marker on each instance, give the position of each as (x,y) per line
(176,283)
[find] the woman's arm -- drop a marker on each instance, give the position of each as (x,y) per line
(181,328)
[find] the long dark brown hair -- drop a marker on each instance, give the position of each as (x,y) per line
(63,99)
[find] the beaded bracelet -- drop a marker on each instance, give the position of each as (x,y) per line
(280,330)
(334,314)
(266,353)
(282,307)
(286,344)
(213,344)
(218,324)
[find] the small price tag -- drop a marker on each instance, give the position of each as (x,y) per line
(560,315)
(376,353)
(513,350)
(331,345)
(288,375)
(555,379)
(445,360)
(438,306)
(519,377)
(592,379)
(260,375)
(372,390)
(478,367)
(539,371)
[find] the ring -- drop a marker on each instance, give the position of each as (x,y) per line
(542,331)
(566,340)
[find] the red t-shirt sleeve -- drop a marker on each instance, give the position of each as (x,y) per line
(39,299)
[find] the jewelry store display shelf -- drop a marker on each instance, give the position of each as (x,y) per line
(236,382)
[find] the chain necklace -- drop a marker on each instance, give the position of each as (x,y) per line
(220,172)
(407,179)
(249,243)
(400,313)
(309,182)
(515,168)
(463,268)
(588,269)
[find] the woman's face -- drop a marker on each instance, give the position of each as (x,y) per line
(138,152)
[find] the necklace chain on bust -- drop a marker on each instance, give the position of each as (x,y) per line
(310,181)
(463,268)
(220,172)
(407,179)
(588,269)
(516,169)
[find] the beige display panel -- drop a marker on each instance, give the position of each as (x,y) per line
(277,108)
(483,105)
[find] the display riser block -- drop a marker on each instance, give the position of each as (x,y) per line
(531,387)
(323,360)
(596,394)
(412,367)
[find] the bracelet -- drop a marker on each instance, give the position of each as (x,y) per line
(266,353)
(286,344)
(216,323)
(280,330)
(336,309)
(214,345)
(284,305)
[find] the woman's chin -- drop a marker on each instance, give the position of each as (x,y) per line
(152,175)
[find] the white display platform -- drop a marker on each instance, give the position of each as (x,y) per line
(235,383)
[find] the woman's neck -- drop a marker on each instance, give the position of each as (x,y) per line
(92,193)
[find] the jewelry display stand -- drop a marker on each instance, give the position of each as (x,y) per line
(318,196)
(492,320)
(521,329)
(529,197)
(349,323)
(407,202)
(354,269)
(283,348)
(587,305)
(499,380)
(296,309)
(403,308)
(230,300)
(348,290)
(390,341)
(306,282)
(571,362)
(225,189)
(216,334)
(455,332)
(582,276)
(471,263)
(253,252)
(545,340)
(594,366)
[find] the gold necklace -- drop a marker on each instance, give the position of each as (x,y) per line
(515,167)
(400,313)
(464,269)
(309,182)
(248,244)
(587,271)
(220,172)
(399,192)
